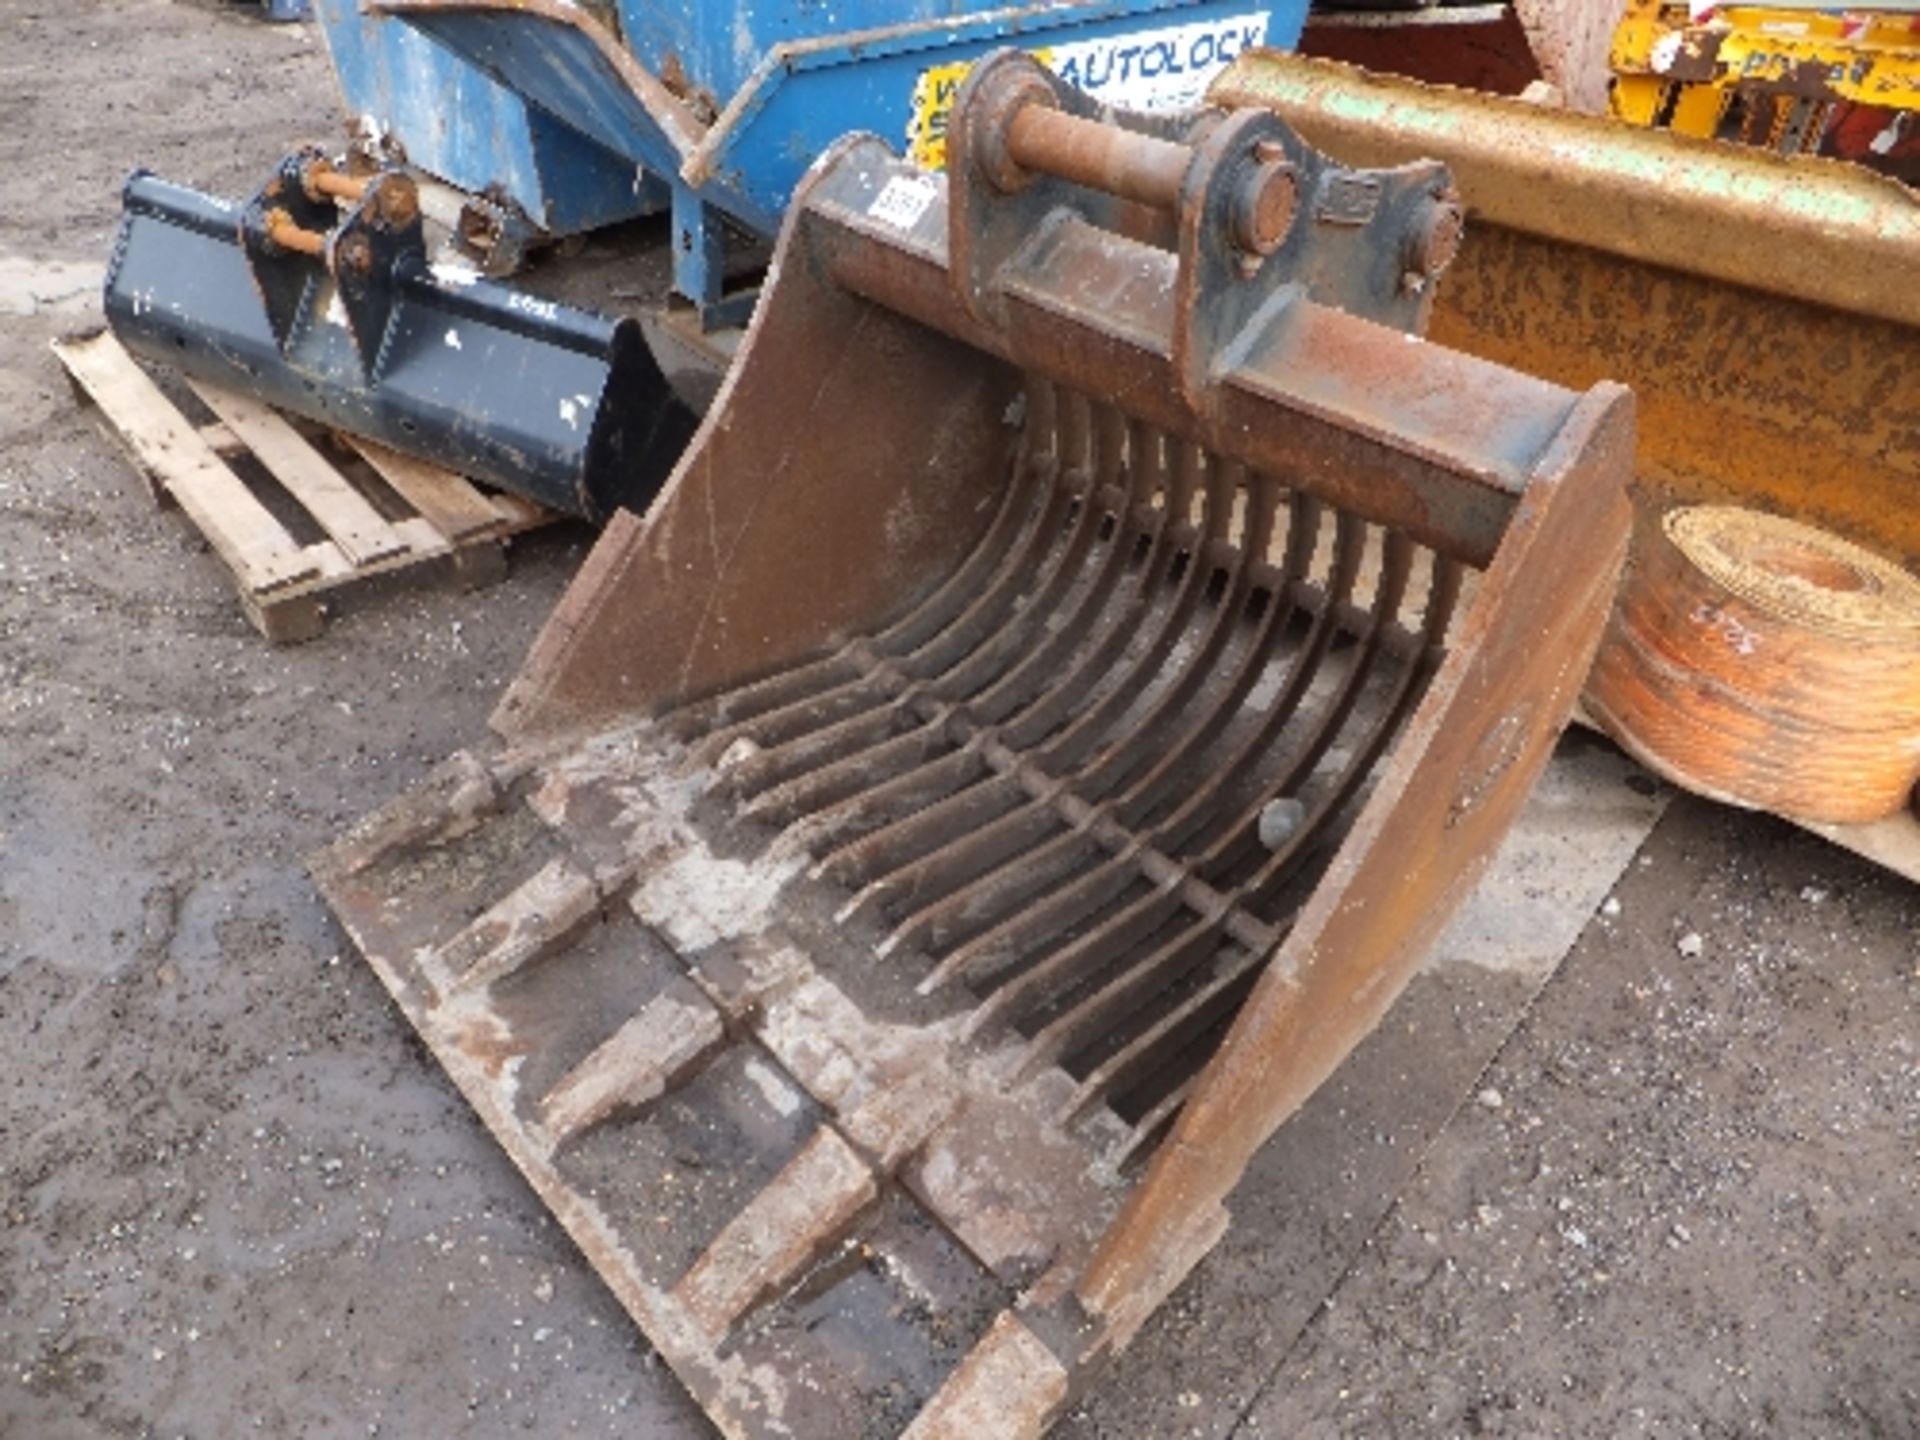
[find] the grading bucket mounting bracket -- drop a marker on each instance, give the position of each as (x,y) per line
(1256,216)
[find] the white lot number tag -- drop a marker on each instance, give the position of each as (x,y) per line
(903,200)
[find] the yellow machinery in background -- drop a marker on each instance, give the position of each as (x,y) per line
(1796,80)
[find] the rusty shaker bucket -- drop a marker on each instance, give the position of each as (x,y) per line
(1088,649)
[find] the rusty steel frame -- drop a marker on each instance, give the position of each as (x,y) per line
(1028,745)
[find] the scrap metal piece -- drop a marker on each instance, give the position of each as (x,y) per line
(338,316)
(939,751)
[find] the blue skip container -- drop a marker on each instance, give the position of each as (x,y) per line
(587,113)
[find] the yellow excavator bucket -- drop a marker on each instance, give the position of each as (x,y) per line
(1762,309)
(1090,646)
(1765,312)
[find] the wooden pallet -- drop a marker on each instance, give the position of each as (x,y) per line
(415,513)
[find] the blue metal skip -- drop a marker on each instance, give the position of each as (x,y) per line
(729,101)
(456,122)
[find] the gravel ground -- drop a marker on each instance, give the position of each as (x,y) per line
(1684,1200)
(237,1194)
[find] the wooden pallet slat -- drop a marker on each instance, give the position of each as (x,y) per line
(454,506)
(179,464)
(516,510)
(351,522)
(221,440)
(282,581)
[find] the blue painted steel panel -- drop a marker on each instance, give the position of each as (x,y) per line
(901,91)
(568,69)
(731,100)
(457,123)
(719,46)
(823,74)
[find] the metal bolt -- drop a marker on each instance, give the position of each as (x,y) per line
(1437,235)
(1264,205)
(285,233)
(354,252)
(398,201)
(994,118)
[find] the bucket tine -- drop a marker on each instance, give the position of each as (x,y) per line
(888,665)
(1016,866)
(1037,664)
(1123,992)
(1035,731)
(997,647)
(1098,886)
(995,820)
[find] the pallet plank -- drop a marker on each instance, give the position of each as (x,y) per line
(362,532)
(450,503)
(175,458)
(282,581)
(425,539)
(517,511)
(285,622)
(225,443)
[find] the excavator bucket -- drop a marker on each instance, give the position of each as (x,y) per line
(337,314)
(1763,308)
(1764,311)
(1090,646)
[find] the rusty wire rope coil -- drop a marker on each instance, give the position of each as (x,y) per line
(1767,663)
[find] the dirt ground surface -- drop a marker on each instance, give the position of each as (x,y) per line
(237,1196)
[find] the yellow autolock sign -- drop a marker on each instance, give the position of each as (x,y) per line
(1163,67)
